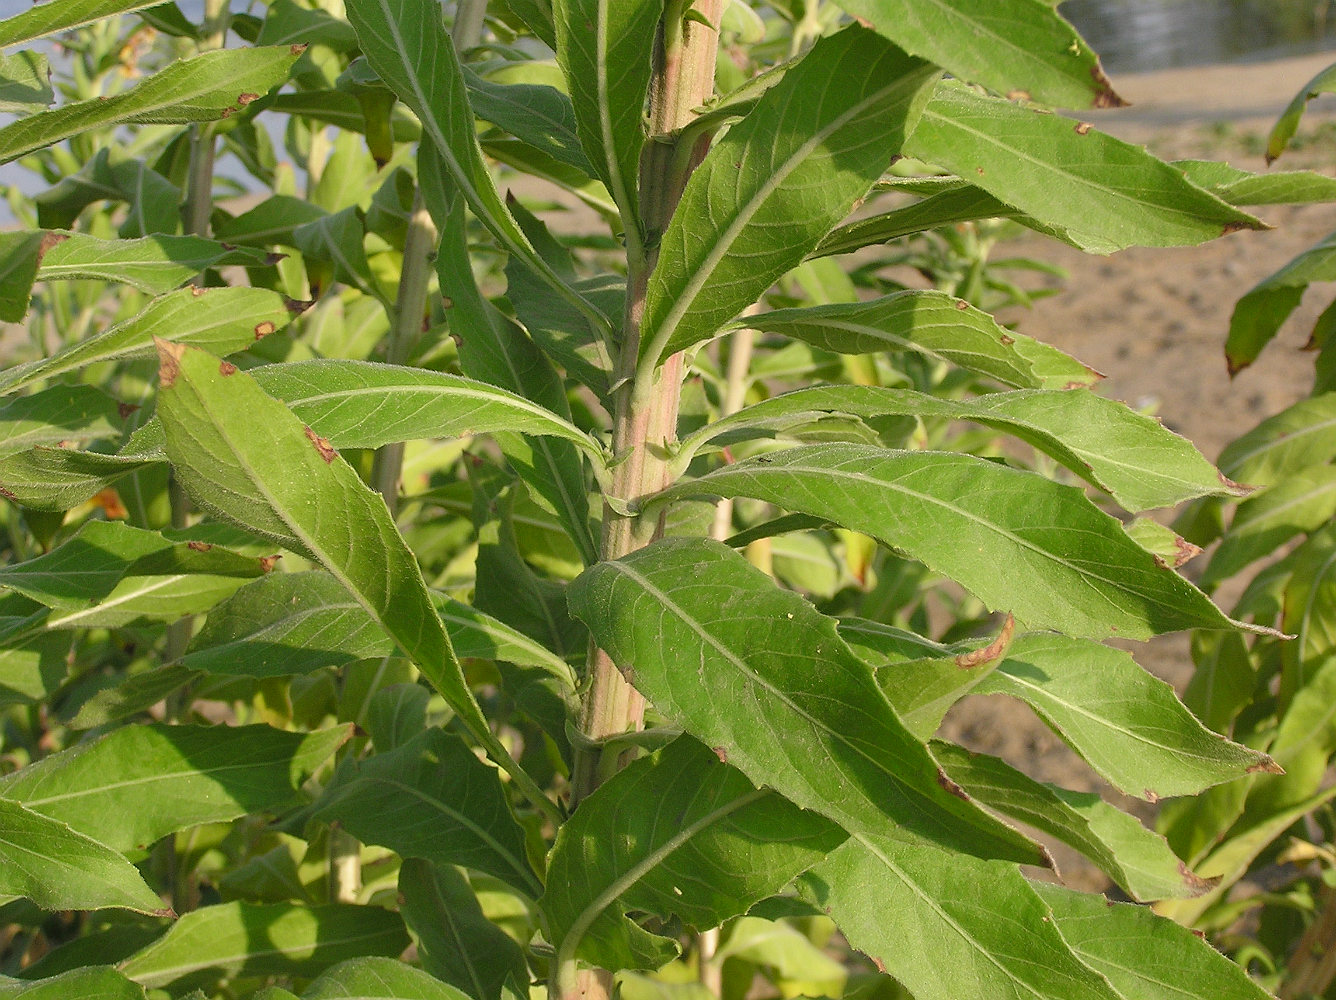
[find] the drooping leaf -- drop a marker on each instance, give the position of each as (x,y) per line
(936,325)
(1291,441)
(220,320)
(1142,954)
(1301,502)
(604,49)
(757,673)
(1139,861)
(1259,314)
(61,869)
(676,834)
(139,783)
(1021,48)
(278,939)
(1022,544)
(534,113)
(455,942)
(1288,122)
(204,88)
(25,83)
(383,978)
(1127,724)
(433,798)
(153,264)
(778,181)
(948,925)
(20,256)
(48,18)
(1104,194)
(1133,457)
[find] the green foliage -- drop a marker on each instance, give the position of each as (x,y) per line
(346,493)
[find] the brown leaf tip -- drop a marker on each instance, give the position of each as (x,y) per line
(1265,765)
(1083,128)
(267,563)
(1105,95)
(125,409)
(322,445)
(962,305)
(199,546)
(48,241)
(881,966)
(169,361)
(1184,551)
(1150,795)
(298,49)
(721,753)
(1195,882)
(245,98)
(226,368)
(951,786)
(993,651)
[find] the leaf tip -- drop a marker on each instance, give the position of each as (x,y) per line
(169,361)
(322,445)
(1265,765)
(1195,884)
(1105,95)
(991,652)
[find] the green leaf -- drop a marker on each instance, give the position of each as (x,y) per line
(778,182)
(337,240)
(61,869)
(963,203)
(271,221)
(1139,861)
(220,320)
(1142,954)
(1301,502)
(139,783)
(62,415)
(758,674)
(206,88)
(1127,724)
(280,939)
(1288,122)
(1019,542)
(20,257)
(1241,187)
(86,983)
(57,479)
(677,834)
(25,83)
(1310,614)
(455,942)
(433,798)
(604,49)
(1021,48)
(936,325)
(406,44)
(1130,456)
(285,23)
(135,693)
(534,113)
(1104,194)
(1286,443)
(948,925)
(1259,314)
(379,979)
(48,18)
(153,264)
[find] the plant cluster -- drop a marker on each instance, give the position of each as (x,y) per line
(416,590)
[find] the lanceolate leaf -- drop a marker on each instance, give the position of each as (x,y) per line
(1105,194)
(244,456)
(208,87)
(1288,122)
(25,83)
(1291,441)
(1127,724)
(20,255)
(65,414)
(139,783)
(756,673)
(1139,861)
(58,479)
(48,18)
(455,942)
(604,48)
(676,834)
(1302,502)
(1019,542)
(220,320)
(406,43)
(60,869)
(1241,187)
(947,925)
(1259,314)
(433,798)
(1142,954)
(281,939)
(1133,457)
(936,325)
(88,983)
(537,114)
(780,180)
(153,264)
(1021,48)
(383,978)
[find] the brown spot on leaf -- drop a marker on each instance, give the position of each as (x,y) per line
(110,502)
(950,785)
(1195,882)
(721,753)
(1105,95)
(267,563)
(962,305)
(1083,128)
(196,292)
(447,302)
(322,445)
(298,306)
(865,22)
(1266,766)
(48,241)
(1234,227)
(264,329)
(125,409)
(270,259)
(246,97)
(8,495)
(1018,95)
(199,546)
(169,361)
(1159,561)
(1007,341)
(881,966)
(1238,489)
(993,651)
(1150,795)
(226,368)
(1184,551)
(979,171)
(298,49)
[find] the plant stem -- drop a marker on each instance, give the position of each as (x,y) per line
(1313,966)
(740,345)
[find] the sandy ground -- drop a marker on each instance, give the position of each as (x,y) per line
(1154,322)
